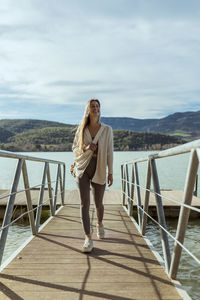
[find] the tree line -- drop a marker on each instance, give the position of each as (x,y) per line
(61,139)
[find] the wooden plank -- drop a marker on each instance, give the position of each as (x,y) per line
(120,267)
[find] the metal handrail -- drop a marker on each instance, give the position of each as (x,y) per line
(168,233)
(24,190)
(163,196)
(23,214)
(9,154)
(185,148)
(128,194)
(46,180)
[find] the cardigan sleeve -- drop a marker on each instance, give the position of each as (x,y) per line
(110,151)
(75,146)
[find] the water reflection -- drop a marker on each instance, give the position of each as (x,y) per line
(17,235)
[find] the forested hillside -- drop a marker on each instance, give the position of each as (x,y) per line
(36,135)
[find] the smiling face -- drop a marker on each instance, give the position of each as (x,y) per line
(94,109)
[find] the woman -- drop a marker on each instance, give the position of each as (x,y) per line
(93,147)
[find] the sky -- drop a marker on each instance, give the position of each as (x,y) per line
(140,58)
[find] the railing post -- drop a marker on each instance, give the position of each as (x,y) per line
(28,198)
(184,212)
(9,207)
(132,182)
(161,215)
(132,190)
(39,208)
(196,186)
(139,204)
(128,191)
(146,197)
(50,190)
(56,189)
(63,185)
(123,184)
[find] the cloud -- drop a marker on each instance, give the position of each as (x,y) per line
(140,58)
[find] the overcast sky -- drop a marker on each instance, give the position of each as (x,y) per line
(140,58)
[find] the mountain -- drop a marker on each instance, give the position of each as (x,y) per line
(185,124)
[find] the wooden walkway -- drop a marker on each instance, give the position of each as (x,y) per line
(52,265)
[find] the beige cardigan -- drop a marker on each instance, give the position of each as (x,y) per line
(104,156)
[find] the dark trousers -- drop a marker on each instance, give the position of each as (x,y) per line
(84,191)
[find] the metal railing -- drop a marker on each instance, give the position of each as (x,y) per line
(131,194)
(46,180)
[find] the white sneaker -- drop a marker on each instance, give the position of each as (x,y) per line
(88,245)
(100,231)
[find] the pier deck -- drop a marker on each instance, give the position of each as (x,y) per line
(111,196)
(121,266)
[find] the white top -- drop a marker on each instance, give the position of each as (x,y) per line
(104,155)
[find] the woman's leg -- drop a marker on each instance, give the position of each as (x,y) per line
(84,191)
(98,192)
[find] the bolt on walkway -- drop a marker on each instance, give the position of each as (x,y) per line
(52,266)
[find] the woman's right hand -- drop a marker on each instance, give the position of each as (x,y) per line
(91,147)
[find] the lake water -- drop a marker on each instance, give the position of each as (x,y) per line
(172,174)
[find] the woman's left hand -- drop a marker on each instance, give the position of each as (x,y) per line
(110,179)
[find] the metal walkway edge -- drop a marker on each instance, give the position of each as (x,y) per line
(52,266)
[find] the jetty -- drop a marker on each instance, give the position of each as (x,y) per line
(124,265)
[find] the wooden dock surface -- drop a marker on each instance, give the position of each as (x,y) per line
(120,267)
(171,208)
(111,197)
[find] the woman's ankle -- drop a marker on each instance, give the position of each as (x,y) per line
(88,236)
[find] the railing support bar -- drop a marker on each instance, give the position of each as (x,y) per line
(63,192)
(123,184)
(139,203)
(146,197)
(132,183)
(50,190)
(9,207)
(184,212)
(28,198)
(196,187)
(56,189)
(161,215)
(41,196)
(61,188)
(128,191)
(132,190)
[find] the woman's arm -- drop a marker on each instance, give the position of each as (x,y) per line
(75,146)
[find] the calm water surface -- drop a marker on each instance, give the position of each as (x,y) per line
(172,173)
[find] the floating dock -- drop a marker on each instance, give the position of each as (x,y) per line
(171,208)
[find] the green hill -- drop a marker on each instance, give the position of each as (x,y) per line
(21,125)
(37,135)
(131,140)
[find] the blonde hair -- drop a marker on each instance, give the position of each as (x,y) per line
(85,122)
